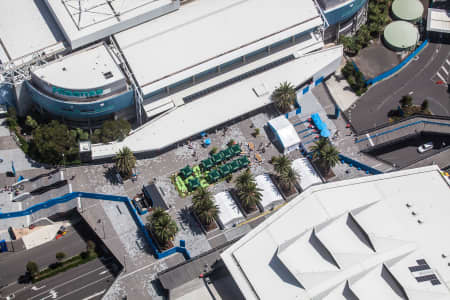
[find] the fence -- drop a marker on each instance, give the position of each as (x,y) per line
(71,196)
(401,127)
(397,67)
(357,164)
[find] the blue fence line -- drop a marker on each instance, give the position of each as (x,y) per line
(386,132)
(304,130)
(397,67)
(296,124)
(306,135)
(357,164)
(401,127)
(131,208)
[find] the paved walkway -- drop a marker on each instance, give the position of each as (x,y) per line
(341,91)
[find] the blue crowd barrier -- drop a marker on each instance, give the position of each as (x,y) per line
(397,67)
(358,165)
(67,197)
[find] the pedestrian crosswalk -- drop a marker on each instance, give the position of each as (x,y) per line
(442,74)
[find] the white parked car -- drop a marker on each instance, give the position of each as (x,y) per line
(425,147)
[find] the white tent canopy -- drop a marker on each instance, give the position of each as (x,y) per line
(270,193)
(285,133)
(306,172)
(229,211)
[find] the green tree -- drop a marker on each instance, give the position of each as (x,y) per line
(32,268)
(53,140)
(281,164)
(90,246)
(164,228)
(425,106)
(60,256)
(288,178)
(250,196)
(125,161)
(284,96)
(329,157)
(30,122)
(204,207)
(244,179)
(406,101)
(114,130)
(318,146)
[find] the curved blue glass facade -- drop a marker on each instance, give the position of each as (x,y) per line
(345,12)
(81,110)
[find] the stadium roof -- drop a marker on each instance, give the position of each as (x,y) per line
(211,110)
(376,237)
(84,70)
(206,33)
(86,21)
(26,26)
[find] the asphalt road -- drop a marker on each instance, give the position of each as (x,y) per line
(12,265)
(415,79)
(87,281)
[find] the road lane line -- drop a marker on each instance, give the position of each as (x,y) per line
(66,282)
(83,287)
(104,272)
(94,295)
(448,62)
(445,71)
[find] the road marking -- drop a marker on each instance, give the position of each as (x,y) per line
(440,76)
(62,175)
(445,71)
(34,288)
(66,282)
(448,62)
(94,295)
(83,287)
(104,272)
(377,165)
(370,140)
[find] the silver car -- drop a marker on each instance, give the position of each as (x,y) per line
(425,147)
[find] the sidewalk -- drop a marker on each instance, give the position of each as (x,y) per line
(341,91)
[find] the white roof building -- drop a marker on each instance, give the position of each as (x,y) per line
(207,33)
(229,210)
(438,20)
(285,132)
(223,105)
(270,194)
(377,237)
(84,22)
(306,172)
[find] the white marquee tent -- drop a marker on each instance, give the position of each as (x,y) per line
(285,133)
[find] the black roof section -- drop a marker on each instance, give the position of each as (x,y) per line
(151,192)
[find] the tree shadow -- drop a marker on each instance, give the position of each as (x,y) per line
(187,218)
(110,175)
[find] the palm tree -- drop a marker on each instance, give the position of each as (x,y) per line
(244,179)
(281,164)
(165,228)
(329,157)
(318,146)
(156,214)
(204,207)
(250,196)
(288,178)
(125,161)
(284,96)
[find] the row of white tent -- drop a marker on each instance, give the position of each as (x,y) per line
(230,213)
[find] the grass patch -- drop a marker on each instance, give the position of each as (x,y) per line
(57,268)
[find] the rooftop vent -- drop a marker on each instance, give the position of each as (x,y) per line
(419,221)
(413,213)
(108,75)
(408,205)
(64,69)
